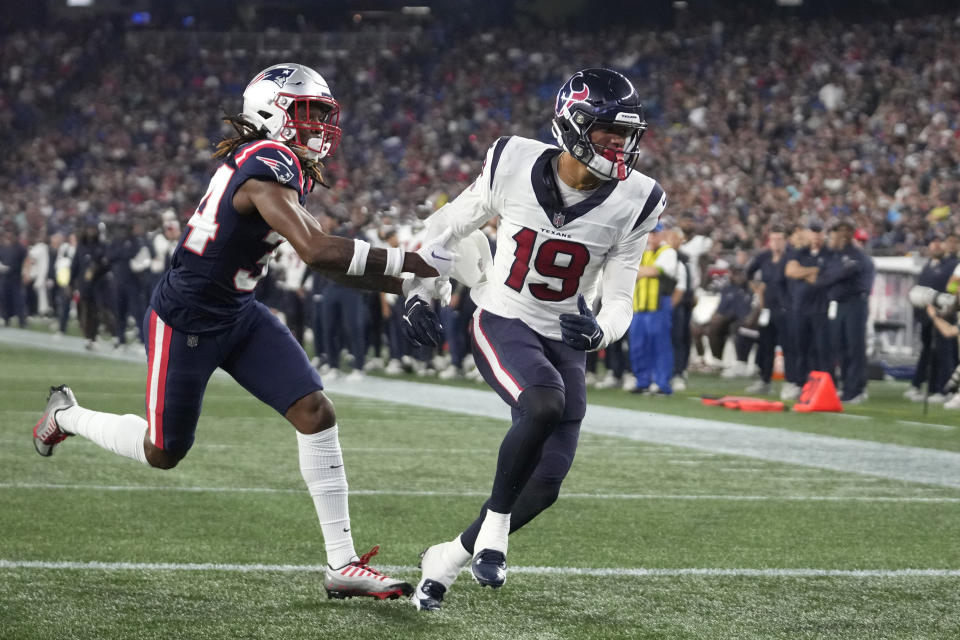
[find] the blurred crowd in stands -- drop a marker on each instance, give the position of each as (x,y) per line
(771,140)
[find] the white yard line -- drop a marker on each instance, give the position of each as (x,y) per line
(897,462)
(470,493)
(537,571)
(931,425)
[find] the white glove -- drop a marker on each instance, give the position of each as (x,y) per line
(437,255)
(428,288)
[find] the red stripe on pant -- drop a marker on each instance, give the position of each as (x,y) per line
(157,376)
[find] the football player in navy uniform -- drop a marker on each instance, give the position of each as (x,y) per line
(573,220)
(203,314)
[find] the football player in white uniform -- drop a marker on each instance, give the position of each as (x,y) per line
(573,220)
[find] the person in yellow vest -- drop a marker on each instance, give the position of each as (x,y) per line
(651,350)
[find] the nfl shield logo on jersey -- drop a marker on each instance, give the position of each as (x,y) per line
(558,219)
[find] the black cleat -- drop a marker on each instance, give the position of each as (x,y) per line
(489,568)
(47,433)
(428,595)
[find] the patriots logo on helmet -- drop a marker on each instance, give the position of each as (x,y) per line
(573,97)
(283,171)
(278,76)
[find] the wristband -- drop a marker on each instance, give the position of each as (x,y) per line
(358,263)
(394,262)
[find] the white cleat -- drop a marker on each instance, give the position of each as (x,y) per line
(358,579)
(441,564)
(47,433)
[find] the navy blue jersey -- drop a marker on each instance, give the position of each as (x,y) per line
(805,297)
(222,254)
(773,275)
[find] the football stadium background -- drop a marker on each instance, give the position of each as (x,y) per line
(678,520)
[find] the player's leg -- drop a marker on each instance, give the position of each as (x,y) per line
(442,562)
(272,365)
(177,373)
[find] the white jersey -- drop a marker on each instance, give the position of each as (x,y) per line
(548,253)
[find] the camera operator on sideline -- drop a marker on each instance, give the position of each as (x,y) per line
(934,363)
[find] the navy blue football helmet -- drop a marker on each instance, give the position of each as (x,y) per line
(599,99)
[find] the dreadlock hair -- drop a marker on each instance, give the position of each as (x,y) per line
(247,132)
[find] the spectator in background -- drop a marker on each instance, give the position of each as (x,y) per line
(12,257)
(696,248)
(36,267)
(934,366)
(291,274)
(121,252)
(65,250)
(682,303)
(949,333)
(847,277)
(90,278)
(771,265)
(651,351)
(732,311)
(811,337)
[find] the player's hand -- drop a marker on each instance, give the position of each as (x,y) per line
(581,331)
(438,255)
(428,289)
(421,326)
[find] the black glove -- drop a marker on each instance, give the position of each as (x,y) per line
(421,325)
(581,331)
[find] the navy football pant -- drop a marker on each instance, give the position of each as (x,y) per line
(543,382)
(258,351)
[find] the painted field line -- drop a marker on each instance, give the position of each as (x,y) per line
(537,571)
(470,493)
(932,425)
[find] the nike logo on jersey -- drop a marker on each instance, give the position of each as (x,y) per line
(434,255)
(335,466)
(286,159)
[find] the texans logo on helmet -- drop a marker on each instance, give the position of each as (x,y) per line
(282,171)
(278,76)
(573,97)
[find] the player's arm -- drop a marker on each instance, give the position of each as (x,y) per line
(946,329)
(334,256)
(798,272)
(470,210)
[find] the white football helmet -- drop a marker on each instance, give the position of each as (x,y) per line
(292,103)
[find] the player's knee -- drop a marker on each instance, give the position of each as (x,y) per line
(544,405)
(312,413)
(161,459)
(543,491)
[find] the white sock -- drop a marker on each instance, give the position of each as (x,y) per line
(120,434)
(455,553)
(321,464)
(493,532)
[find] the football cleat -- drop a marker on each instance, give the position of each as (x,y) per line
(428,595)
(46,433)
(441,564)
(357,578)
(489,568)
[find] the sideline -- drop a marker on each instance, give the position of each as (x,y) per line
(892,461)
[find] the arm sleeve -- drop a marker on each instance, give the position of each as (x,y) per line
(620,276)
(474,206)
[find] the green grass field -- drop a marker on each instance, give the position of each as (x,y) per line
(650,541)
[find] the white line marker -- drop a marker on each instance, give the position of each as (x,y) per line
(932,425)
(537,571)
(470,493)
